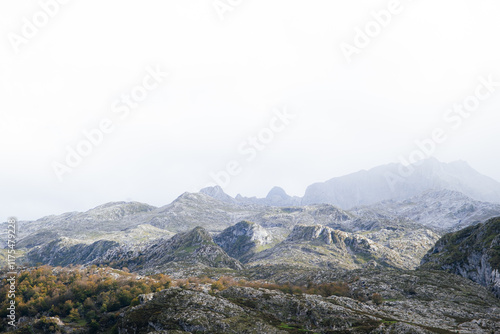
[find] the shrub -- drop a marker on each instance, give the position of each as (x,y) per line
(377,298)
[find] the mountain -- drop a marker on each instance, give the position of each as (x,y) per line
(139,222)
(243,240)
(270,225)
(473,252)
(194,248)
(445,210)
(397,182)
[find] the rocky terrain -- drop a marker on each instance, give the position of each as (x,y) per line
(410,302)
(321,246)
(195,248)
(244,239)
(315,246)
(473,253)
(396,234)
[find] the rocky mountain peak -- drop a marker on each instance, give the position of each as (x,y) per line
(218,193)
(195,237)
(243,239)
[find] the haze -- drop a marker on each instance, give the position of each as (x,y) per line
(226,81)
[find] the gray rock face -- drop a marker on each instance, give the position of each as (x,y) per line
(473,253)
(385,183)
(243,240)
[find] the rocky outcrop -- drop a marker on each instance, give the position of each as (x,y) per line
(473,252)
(243,240)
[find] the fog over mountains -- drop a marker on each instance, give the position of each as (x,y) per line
(387,182)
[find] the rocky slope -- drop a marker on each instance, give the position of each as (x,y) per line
(321,246)
(392,245)
(473,252)
(386,182)
(411,302)
(195,248)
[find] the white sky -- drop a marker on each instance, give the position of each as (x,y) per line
(225,78)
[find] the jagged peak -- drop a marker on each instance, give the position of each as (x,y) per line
(217,193)
(212,190)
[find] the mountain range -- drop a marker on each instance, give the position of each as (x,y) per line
(428,245)
(445,201)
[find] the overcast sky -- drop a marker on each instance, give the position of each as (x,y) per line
(353,101)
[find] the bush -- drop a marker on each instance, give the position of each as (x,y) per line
(377,299)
